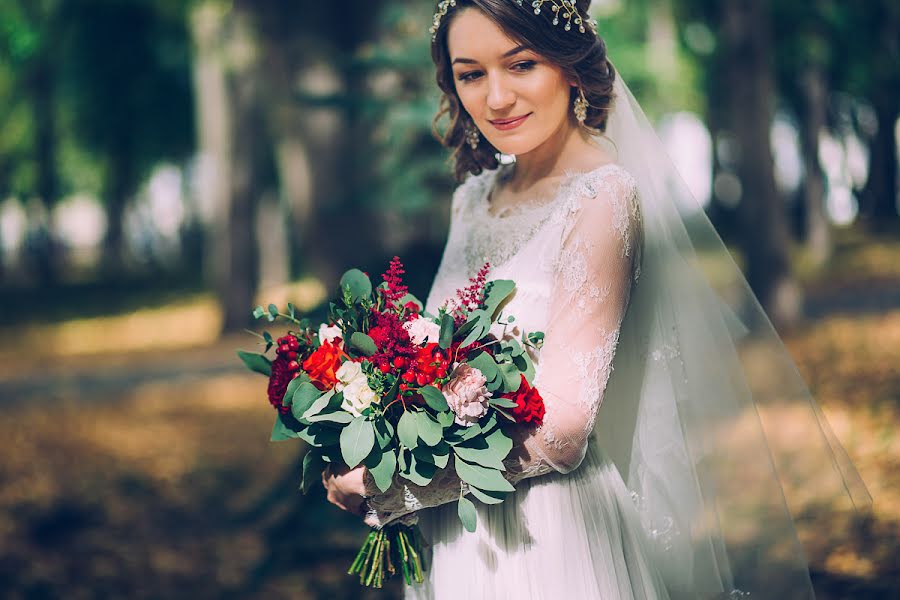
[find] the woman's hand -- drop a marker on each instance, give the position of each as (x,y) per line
(346,488)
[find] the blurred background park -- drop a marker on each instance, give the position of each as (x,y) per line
(167,164)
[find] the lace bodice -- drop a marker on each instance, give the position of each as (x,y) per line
(574,256)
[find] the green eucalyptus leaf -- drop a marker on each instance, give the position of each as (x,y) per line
(319,401)
(357,440)
(382,465)
(478,331)
(445,418)
(506,415)
(499,442)
(441,454)
(256,362)
(482,477)
(258,312)
(434,398)
(429,430)
(486,457)
(417,471)
(502,402)
(465,329)
(281,433)
(494,385)
(467,515)
(487,497)
(511,377)
(496,292)
(446,337)
(488,425)
(363,343)
(384,433)
(359,283)
(319,435)
(339,417)
(408,429)
(273,311)
(525,365)
(484,362)
(313,465)
(462,433)
(291,388)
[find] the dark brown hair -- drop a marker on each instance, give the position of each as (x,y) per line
(581,56)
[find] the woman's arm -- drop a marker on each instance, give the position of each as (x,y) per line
(597,265)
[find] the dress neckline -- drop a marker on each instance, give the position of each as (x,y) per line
(541,201)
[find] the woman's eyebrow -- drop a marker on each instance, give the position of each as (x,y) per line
(515,50)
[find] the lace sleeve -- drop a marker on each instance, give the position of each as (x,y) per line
(598,261)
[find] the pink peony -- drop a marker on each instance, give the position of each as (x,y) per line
(466,394)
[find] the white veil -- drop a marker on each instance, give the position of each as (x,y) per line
(705,416)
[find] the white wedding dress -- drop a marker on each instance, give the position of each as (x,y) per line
(571,529)
(660,468)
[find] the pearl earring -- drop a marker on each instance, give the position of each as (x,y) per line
(580,107)
(473,138)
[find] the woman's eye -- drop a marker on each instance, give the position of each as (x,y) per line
(469,76)
(525,65)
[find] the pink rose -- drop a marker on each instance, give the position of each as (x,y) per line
(466,394)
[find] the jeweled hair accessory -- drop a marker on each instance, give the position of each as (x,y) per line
(562,10)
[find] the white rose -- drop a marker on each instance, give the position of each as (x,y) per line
(354,384)
(348,372)
(422,330)
(357,397)
(329,332)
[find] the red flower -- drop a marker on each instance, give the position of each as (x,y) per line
(424,359)
(278,382)
(322,365)
(530,405)
(396,289)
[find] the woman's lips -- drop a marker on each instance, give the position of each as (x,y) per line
(506,124)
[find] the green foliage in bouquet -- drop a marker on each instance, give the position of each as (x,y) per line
(369,388)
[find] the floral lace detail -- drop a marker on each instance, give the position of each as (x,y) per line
(573,283)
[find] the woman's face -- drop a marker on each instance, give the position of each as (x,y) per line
(516,97)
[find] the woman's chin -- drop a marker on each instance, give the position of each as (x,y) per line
(514,146)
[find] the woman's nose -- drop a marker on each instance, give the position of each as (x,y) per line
(499,94)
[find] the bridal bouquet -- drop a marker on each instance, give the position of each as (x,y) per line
(405,393)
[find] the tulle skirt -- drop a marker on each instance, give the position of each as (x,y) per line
(574,536)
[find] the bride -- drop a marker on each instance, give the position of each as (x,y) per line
(659,470)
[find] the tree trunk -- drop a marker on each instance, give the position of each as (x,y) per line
(41,83)
(230,132)
(120,185)
(879,198)
(812,123)
(749,81)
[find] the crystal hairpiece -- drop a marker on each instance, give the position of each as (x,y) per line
(561,8)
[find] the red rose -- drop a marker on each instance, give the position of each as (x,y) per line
(529,404)
(322,365)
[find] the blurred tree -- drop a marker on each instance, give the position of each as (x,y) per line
(748,80)
(871,68)
(805,50)
(29,135)
(126,73)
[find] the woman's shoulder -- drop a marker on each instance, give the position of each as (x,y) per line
(609,179)
(473,187)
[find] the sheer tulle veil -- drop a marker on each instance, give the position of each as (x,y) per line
(705,415)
